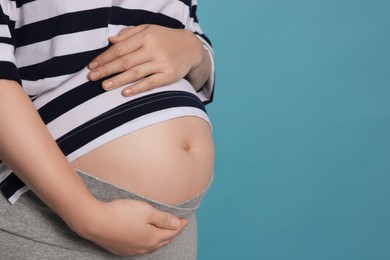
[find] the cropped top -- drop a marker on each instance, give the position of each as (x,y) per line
(46,45)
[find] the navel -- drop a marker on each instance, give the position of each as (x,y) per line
(186,146)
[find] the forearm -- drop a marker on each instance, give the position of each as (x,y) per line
(200,74)
(121,226)
(28,149)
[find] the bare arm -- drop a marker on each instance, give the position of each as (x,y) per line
(27,147)
(123,227)
(199,74)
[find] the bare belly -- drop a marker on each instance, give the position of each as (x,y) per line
(169,162)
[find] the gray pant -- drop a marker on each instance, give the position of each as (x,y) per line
(31,230)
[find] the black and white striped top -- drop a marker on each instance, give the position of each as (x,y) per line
(45,45)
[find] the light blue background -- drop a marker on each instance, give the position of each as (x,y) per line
(302,130)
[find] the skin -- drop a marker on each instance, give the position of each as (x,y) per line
(154,56)
(183,160)
(123,227)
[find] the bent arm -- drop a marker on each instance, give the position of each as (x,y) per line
(124,227)
(28,149)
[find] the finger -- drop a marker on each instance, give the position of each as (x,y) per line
(133,74)
(161,244)
(148,83)
(164,235)
(127,32)
(118,65)
(115,51)
(164,220)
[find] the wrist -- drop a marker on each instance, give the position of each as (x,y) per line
(198,51)
(200,72)
(82,217)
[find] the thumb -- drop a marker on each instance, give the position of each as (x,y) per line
(165,220)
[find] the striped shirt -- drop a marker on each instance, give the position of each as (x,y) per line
(45,45)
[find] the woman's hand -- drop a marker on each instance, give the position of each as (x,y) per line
(122,226)
(151,56)
(129,227)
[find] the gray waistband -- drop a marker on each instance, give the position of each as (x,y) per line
(106,191)
(30,224)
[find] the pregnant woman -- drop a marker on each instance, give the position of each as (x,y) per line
(102,118)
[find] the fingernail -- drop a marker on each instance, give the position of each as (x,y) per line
(93,65)
(175,223)
(94,75)
(127,92)
(107,85)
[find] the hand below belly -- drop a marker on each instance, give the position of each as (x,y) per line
(169,162)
